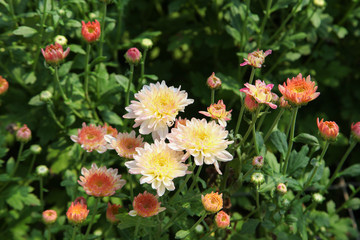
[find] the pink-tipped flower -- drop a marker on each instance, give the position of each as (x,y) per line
(222,219)
(284,103)
(4,85)
(91,138)
(77,213)
(250,103)
(258,162)
(49,216)
(146,205)
(91,31)
(281,188)
(212,202)
(299,91)
(133,56)
(213,82)
(261,92)
(100,182)
(217,111)
(329,130)
(23,134)
(54,54)
(256,58)
(355,130)
(111,212)
(125,144)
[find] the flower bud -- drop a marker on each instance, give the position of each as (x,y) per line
(256,58)
(213,82)
(133,56)
(4,85)
(284,103)
(60,39)
(281,188)
(355,131)
(49,216)
(54,54)
(250,103)
(258,162)
(318,198)
(222,219)
(35,149)
(45,96)
(212,202)
(91,31)
(328,130)
(257,178)
(42,170)
(146,43)
(77,213)
(111,212)
(319,3)
(23,134)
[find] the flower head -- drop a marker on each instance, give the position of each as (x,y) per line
(329,130)
(35,149)
(218,112)
(133,56)
(213,82)
(261,92)
(212,202)
(281,188)
(299,91)
(60,39)
(109,130)
(45,96)
(158,164)
(23,134)
(146,205)
(49,216)
(91,138)
(205,141)
(258,162)
(91,31)
(156,108)
(4,85)
(100,182)
(257,178)
(125,143)
(42,170)
(77,213)
(222,219)
(256,58)
(111,212)
(284,103)
(318,198)
(54,53)
(355,130)
(250,103)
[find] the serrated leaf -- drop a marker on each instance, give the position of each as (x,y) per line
(307,139)
(25,31)
(353,171)
(298,160)
(278,139)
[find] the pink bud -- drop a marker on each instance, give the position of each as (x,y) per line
(355,130)
(133,56)
(213,82)
(23,134)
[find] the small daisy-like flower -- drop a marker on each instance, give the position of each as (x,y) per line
(222,219)
(250,103)
(23,134)
(206,142)
(218,112)
(146,205)
(355,130)
(133,56)
(159,165)
(212,202)
(4,85)
(156,108)
(54,53)
(60,39)
(111,212)
(256,58)
(281,188)
(77,213)
(125,143)
(49,216)
(91,31)
(109,130)
(91,138)
(258,162)
(213,82)
(299,91)
(261,92)
(329,130)
(100,182)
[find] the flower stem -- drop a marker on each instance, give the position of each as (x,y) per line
(42,27)
(209,233)
(142,66)
(248,172)
(102,29)
(275,122)
(258,204)
(195,178)
(52,114)
(49,233)
(351,197)
(254,137)
(183,184)
(292,131)
(131,187)
(31,164)
(137,228)
(74,232)
(92,218)
(204,214)
(253,121)
(252,74)
(41,185)
(263,23)
(58,83)
(129,84)
(86,74)
(212,96)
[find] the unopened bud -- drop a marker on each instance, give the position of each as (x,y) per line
(258,162)
(281,188)
(45,96)
(60,39)
(42,170)
(213,82)
(35,149)
(49,216)
(146,43)
(133,56)
(318,198)
(23,134)
(257,178)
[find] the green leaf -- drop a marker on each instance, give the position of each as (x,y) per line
(298,160)
(235,34)
(272,162)
(30,78)
(229,83)
(182,234)
(21,196)
(316,19)
(306,139)
(292,56)
(4,177)
(10,164)
(111,117)
(73,23)
(65,68)
(341,32)
(353,203)
(278,139)
(25,31)
(97,60)
(330,206)
(76,49)
(250,226)
(151,77)
(35,101)
(298,36)
(353,171)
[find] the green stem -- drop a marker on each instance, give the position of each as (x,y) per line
(142,66)
(74,232)
(258,126)
(86,74)
(31,164)
(58,83)
(183,184)
(351,197)
(212,96)
(195,178)
(291,138)
(263,23)
(12,12)
(131,187)
(53,116)
(204,214)
(102,30)
(137,228)
(248,172)
(252,74)
(49,233)
(129,84)
(254,136)
(41,185)
(225,178)
(258,204)
(209,233)
(275,122)
(253,121)
(42,27)
(92,218)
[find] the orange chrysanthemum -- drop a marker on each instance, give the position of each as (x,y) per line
(91,138)
(4,85)
(109,130)
(299,90)
(77,213)
(100,182)
(146,205)
(329,130)
(212,202)
(111,212)
(218,112)
(91,31)
(125,143)
(222,219)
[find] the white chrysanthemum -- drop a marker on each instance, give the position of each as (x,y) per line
(159,165)
(205,141)
(156,108)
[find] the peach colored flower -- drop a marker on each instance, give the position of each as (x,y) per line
(299,91)
(206,142)
(91,138)
(250,103)
(133,56)
(91,31)
(213,82)
(109,130)
(256,58)
(156,108)
(146,205)
(77,213)
(23,134)
(261,92)
(355,130)
(54,53)
(180,121)
(111,212)
(4,85)
(212,202)
(100,182)
(217,111)
(49,216)
(329,130)
(222,219)
(125,143)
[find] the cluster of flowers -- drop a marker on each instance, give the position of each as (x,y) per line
(213,203)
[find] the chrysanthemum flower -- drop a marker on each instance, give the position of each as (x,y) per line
(212,202)
(100,182)
(156,108)
(222,219)
(284,103)
(258,162)
(206,142)
(329,130)
(261,92)
(218,112)
(159,165)
(4,85)
(49,216)
(23,134)
(125,143)
(91,31)
(77,213)
(256,58)
(299,91)
(355,130)
(109,130)
(111,212)
(213,82)
(91,138)
(180,121)
(250,103)
(146,205)
(133,56)
(54,53)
